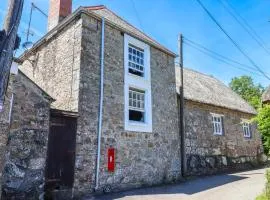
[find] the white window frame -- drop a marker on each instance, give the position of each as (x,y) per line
(217,125)
(141,102)
(246,127)
(140,83)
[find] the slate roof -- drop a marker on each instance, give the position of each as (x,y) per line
(209,90)
(266,95)
(46,95)
(110,16)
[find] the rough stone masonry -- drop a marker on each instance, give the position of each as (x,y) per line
(207,153)
(67,66)
(141,158)
(26,147)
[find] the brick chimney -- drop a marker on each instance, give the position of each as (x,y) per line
(58,10)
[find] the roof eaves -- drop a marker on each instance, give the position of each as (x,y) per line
(226,107)
(86,11)
(157,45)
(51,33)
(45,94)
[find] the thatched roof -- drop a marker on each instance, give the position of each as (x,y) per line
(209,90)
(266,95)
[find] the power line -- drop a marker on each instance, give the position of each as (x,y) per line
(246,23)
(137,14)
(230,38)
(219,55)
(244,27)
(221,60)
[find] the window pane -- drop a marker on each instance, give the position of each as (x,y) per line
(136,99)
(136,116)
(136,58)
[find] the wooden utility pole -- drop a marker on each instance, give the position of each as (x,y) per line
(181,113)
(7,41)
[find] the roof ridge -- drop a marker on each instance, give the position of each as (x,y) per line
(97,7)
(204,74)
(121,18)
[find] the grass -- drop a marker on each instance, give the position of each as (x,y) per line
(261,197)
(266,194)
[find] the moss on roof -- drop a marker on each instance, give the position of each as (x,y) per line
(209,90)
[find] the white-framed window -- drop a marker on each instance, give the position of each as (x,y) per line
(135,60)
(246,129)
(137,87)
(217,123)
(136,105)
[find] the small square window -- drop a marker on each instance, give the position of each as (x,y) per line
(135,60)
(136,105)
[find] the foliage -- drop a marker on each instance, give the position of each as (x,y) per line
(263,121)
(266,194)
(245,87)
(267,185)
(261,197)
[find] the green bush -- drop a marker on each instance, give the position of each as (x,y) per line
(267,185)
(261,197)
(263,121)
(266,194)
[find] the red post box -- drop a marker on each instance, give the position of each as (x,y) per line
(111,162)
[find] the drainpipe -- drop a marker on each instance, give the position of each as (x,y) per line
(100,102)
(10,108)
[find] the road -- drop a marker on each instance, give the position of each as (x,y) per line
(237,186)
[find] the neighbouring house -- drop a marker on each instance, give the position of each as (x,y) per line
(219,134)
(24,139)
(266,96)
(135,110)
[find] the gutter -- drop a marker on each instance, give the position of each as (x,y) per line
(100,103)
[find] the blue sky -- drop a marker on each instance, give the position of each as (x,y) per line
(165,19)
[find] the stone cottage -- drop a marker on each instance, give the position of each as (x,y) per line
(114,121)
(266,96)
(219,134)
(117,86)
(24,139)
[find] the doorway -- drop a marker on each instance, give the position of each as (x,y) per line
(61,151)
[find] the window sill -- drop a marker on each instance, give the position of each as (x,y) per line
(138,127)
(141,78)
(218,134)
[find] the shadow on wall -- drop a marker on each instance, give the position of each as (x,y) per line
(189,188)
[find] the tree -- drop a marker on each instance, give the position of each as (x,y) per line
(263,121)
(245,87)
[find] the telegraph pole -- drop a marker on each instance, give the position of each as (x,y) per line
(8,38)
(181,113)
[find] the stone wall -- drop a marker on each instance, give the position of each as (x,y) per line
(4,128)
(207,153)
(23,175)
(141,158)
(55,66)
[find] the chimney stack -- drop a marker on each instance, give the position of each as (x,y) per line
(59,9)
